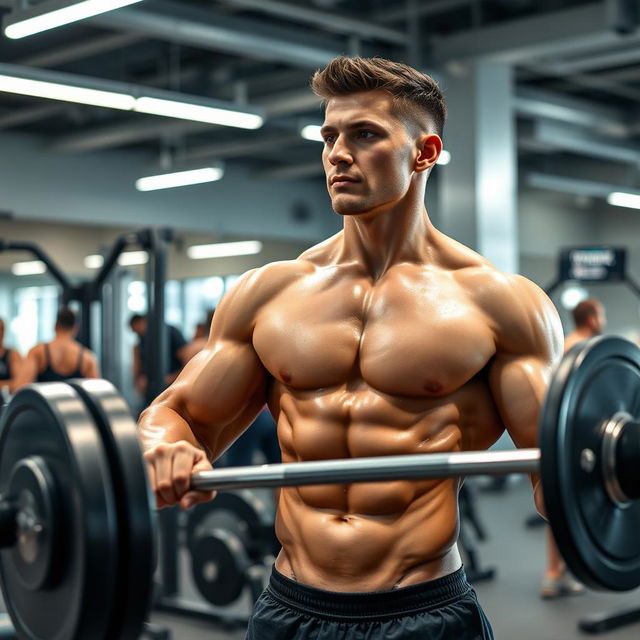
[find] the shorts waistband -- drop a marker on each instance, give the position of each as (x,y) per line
(377,604)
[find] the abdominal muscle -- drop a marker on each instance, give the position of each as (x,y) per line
(367,536)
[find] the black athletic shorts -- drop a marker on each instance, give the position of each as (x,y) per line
(442,609)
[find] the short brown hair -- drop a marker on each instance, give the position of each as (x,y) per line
(585,310)
(415,94)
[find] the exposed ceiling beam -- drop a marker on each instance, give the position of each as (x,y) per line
(218,32)
(572,186)
(432,8)
(81,50)
(535,103)
(603,60)
(242,148)
(118,135)
(579,29)
(336,22)
(20,117)
(557,136)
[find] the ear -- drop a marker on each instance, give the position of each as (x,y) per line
(429,148)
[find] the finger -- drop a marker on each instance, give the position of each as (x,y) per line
(182,468)
(164,479)
(191,498)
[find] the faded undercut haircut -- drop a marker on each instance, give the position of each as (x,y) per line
(416,95)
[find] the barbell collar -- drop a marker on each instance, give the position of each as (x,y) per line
(377,469)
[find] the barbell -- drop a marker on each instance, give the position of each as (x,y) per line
(77,521)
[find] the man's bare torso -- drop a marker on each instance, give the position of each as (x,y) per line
(364,368)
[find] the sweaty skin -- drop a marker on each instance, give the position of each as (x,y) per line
(388,338)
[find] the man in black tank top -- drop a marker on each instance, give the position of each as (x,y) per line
(10,361)
(61,359)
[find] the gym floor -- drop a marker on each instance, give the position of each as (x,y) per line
(511,599)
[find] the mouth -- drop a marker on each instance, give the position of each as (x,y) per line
(340,180)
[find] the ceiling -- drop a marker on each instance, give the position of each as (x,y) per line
(577,67)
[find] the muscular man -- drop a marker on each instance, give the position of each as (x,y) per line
(388,338)
(61,359)
(10,361)
(590,320)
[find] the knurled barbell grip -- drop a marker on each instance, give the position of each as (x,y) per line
(378,469)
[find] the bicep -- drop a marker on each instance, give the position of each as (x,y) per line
(518,386)
(219,392)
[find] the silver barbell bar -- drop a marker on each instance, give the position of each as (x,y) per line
(378,469)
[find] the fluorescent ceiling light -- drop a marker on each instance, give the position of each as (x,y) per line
(64,15)
(132,258)
(444,157)
(67,93)
(125,259)
(224,249)
(54,85)
(311,132)
(179,179)
(30,268)
(94,261)
(621,199)
(199,113)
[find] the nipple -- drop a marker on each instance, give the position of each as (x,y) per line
(432,386)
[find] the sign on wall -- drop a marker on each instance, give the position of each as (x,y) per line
(593,264)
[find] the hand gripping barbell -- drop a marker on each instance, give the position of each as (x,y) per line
(76,516)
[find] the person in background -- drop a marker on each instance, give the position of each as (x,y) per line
(61,359)
(10,363)
(590,320)
(200,337)
(177,359)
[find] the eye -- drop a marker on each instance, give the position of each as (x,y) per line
(365,134)
(329,138)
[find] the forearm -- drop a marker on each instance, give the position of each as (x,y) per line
(161,423)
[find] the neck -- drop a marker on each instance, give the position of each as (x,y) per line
(388,235)
(585,333)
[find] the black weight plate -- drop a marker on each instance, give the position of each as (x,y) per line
(49,421)
(597,537)
(219,566)
(242,512)
(134,505)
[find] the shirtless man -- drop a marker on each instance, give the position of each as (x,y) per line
(61,359)
(388,338)
(590,320)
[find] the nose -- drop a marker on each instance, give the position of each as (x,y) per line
(339,152)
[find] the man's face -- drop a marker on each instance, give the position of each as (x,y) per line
(368,154)
(600,320)
(139,327)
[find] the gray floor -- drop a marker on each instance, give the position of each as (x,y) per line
(511,600)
